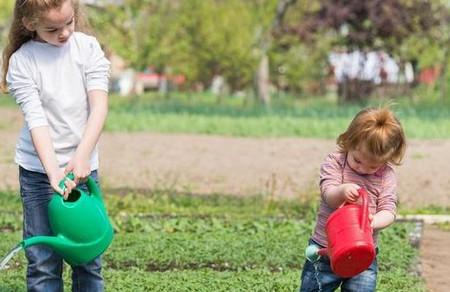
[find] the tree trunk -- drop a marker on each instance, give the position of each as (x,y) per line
(443,77)
(263,80)
(263,73)
(354,90)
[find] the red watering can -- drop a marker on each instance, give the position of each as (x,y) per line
(350,243)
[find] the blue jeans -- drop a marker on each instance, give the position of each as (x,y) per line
(363,282)
(44,271)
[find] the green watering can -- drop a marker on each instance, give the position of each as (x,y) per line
(80,224)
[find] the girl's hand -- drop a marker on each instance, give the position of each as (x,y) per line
(80,167)
(350,192)
(56,177)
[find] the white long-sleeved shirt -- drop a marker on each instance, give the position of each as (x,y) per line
(51,84)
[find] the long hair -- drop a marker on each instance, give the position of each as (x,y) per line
(33,10)
(378,132)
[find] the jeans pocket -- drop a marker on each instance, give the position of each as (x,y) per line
(33,183)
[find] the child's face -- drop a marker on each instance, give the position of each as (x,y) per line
(56,25)
(362,163)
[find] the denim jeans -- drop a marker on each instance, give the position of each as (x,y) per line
(363,282)
(44,271)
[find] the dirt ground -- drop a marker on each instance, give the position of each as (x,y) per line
(435,259)
(281,167)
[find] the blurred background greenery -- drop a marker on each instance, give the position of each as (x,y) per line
(265,49)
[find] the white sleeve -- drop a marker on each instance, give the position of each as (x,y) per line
(97,67)
(25,90)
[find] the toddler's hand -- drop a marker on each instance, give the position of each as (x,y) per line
(350,192)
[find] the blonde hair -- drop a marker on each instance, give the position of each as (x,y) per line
(376,131)
(33,10)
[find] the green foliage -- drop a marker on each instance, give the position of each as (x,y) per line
(432,210)
(6,100)
(220,39)
(196,38)
(313,117)
(167,242)
(444,226)
(6,8)
(297,66)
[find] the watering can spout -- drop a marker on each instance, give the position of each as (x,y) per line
(56,242)
(74,253)
(314,252)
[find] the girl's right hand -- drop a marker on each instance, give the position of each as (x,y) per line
(56,177)
(350,192)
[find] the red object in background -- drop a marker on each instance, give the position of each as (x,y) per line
(429,75)
(152,80)
(178,80)
(350,242)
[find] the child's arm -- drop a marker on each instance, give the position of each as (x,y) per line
(382,219)
(44,148)
(24,89)
(79,164)
(387,202)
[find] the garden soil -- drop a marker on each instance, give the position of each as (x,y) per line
(435,259)
(275,167)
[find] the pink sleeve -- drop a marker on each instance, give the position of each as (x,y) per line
(388,196)
(330,173)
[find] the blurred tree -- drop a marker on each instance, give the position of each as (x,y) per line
(6,8)
(219,39)
(197,38)
(119,26)
(299,65)
(376,24)
(265,42)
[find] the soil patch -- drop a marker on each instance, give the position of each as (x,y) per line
(282,167)
(435,258)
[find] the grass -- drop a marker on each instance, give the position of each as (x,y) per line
(314,117)
(429,210)
(168,242)
(318,117)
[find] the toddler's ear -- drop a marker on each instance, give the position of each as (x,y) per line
(29,25)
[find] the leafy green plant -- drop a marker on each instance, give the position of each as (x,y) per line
(167,242)
(313,117)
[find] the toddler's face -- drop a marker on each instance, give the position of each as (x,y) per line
(56,25)
(362,163)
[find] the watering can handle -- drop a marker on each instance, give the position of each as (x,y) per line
(91,184)
(62,185)
(365,205)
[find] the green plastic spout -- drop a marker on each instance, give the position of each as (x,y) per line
(61,245)
(74,253)
(52,241)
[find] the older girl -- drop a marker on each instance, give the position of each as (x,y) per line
(59,77)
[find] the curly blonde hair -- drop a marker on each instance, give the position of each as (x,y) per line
(378,132)
(33,11)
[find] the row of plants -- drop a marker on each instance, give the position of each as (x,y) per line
(318,117)
(165,242)
(287,117)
